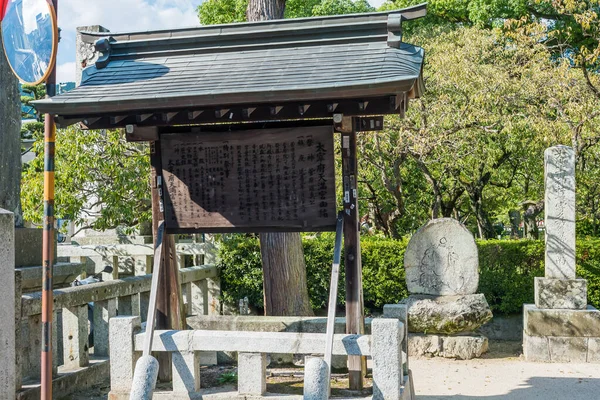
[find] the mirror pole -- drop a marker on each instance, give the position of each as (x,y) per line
(48,240)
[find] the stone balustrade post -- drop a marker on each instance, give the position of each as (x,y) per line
(75,336)
(214,292)
(252,374)
(186,366)
(386,351)
(103,311)
(400,312)
(122,354)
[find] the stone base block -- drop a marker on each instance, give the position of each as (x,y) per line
(28,247)
(561,335)
(561,293)
(558,349)
(447,314)
(561,323)
(463,347)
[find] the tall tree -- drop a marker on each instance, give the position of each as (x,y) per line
(284,269)
(262,10)
(10,140)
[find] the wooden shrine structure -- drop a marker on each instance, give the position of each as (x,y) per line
(242,120)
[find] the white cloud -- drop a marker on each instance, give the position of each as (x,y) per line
(66,72)
(119,16)
(377,3)
(128,15)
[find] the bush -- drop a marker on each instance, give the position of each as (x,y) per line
(507,270)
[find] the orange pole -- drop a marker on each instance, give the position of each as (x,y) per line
(48,240)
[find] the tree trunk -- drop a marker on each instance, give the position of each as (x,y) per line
(10,141)
(284,275)
(484,225)
(515,220)
(284,270)
(262,10)
(531,210)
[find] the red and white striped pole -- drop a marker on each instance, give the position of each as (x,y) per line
(48,238)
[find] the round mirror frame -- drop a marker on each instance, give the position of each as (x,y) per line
(52,62)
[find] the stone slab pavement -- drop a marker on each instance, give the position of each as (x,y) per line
(503,378)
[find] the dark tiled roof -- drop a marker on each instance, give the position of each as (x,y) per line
(328,58)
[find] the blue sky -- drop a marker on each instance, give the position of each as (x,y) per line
(119,16)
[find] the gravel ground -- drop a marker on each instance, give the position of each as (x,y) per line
(500,374)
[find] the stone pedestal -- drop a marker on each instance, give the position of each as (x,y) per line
(442,275)
(561,335)
(447,314)
(560,327)
(561,293)
(463,347)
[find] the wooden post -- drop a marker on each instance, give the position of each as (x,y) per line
(352,262)
(169,313)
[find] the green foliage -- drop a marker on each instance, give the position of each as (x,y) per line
(227,378)
(588,267)
(338,7)
(507,271)
(241,269)
(212,12)
(98,174)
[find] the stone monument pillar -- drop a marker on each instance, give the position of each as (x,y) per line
(560,327)
(442,276)
(8,372)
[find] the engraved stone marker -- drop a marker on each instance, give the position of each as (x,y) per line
(441,259)
(249,181)
(559,173)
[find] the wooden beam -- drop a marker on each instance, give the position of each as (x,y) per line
(368,124)
(192,115)
(221,113)
(254,113)
(134,133)
(143,117)
(168,117)
(352,260)
(247,112)
(114,120)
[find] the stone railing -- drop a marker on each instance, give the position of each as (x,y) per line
(384,346)
(79,308)
(133,258)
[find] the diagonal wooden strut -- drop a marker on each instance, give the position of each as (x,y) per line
(151,319)
(333,289)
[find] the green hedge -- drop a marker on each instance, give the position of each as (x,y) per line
(507,269)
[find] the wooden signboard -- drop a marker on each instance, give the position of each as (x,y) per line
(262,180)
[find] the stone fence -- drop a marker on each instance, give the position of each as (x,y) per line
(384,346)
(134,258)
(80,328)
